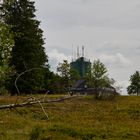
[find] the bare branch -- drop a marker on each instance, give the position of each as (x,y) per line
(43,109)
(19,75)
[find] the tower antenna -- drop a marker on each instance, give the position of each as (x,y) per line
(83,51)
(77,51)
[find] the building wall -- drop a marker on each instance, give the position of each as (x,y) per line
(82,66)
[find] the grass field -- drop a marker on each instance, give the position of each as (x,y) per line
(82,118)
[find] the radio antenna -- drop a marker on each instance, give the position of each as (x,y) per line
(83,51)
(77,51)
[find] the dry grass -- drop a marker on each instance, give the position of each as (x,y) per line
(82,118)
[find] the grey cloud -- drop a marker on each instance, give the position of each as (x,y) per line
(116,60)
(109,13)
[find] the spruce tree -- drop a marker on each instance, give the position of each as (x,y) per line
(28,51)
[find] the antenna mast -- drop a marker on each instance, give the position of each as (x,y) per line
(83,49)
(78,52)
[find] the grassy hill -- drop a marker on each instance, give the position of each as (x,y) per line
(82,118)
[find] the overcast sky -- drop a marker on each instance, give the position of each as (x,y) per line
(109,30)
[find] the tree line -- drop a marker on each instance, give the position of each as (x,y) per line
(21,48)
(22,54)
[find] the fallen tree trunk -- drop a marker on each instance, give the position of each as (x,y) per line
(35,101)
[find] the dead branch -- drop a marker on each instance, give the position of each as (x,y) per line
(22,73)
(32,102)
(42,107)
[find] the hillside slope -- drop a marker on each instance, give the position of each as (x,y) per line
(81,118)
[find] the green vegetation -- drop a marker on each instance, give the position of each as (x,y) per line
(134,87)
(82,118)
(67,74)
(98,76)
(28,51)
(6,44)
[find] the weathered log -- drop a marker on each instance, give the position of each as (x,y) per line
(32,102)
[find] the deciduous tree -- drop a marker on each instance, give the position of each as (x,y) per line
(68,75)
(134,87)
(6,44)
(98,76)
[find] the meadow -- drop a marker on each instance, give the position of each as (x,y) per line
(81,118)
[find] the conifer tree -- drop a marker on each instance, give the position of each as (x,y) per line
(28,51)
